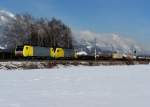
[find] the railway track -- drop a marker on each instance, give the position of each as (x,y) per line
(83,62)
(42,64)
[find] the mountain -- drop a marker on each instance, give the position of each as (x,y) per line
(105,42)
(6,19)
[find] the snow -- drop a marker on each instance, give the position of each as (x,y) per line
(2,47)
(4,12)
(6,17)
(81,53)
(76,86)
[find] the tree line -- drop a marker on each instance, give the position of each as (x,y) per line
(25,29)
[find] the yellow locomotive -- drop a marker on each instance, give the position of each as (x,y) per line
(45,52)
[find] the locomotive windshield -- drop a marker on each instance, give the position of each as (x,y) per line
(19,48)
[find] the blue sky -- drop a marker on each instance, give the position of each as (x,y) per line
(130,18)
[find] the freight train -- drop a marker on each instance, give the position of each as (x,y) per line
(49,53)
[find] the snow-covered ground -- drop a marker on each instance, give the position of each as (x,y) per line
(76,86)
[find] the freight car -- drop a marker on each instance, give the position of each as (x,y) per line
(29,51)
(6,54)
(19,51)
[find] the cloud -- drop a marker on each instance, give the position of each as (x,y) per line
(111,41)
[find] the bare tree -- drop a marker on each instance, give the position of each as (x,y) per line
(39,32)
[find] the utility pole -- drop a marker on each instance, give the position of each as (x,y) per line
(54,41)
(68,43)
(95,49)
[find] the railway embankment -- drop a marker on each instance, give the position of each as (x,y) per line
(10,65)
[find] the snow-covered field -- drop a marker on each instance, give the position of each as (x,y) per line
(76,86)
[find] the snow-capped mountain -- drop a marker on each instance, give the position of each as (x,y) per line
(6,16)
(6,19)
(85,40)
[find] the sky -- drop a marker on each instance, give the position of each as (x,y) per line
(129,18)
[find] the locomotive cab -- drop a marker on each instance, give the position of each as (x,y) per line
(57,53)
(27,51)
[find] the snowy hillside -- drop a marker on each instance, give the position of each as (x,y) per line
(105,42)
(102,86)
(6,19)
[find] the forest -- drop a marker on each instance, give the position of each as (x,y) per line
(26,29)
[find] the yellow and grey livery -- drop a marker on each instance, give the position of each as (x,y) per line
(36,51)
